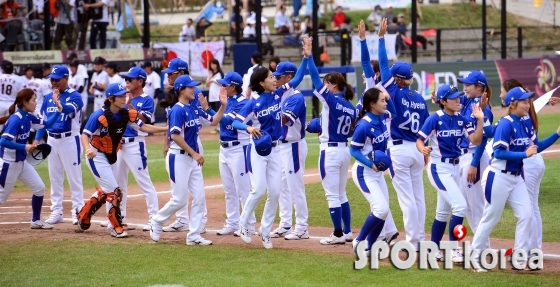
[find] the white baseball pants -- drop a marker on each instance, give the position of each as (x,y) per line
(133,157)
(98,102)
(374,188)
(293,155)
(499,189)
(236,183)
(473,192)
(265,173)
(407,174)
(104,174)
(11,171)
(445,177)
(66,157)
(333,168)
(183,213)
(4,109)
(533,171)
(186,177)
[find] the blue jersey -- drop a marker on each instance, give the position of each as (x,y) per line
(371,133)
(337,116)
(445,133)
(185,121)
(70,119)
(94,127)
(466,110)
(411,110)
(17,130)
(267,112)
(295,111)
(227,132)
(144,104)
(514,136)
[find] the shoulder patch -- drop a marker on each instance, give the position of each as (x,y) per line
(103,121)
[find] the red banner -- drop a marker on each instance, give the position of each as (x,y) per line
(538,75)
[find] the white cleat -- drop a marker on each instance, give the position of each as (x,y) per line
(457,256)
(348,236)
(297,235)
(439,256)
(146,227)
(54,219)
(245,234)
(104,224)
(333,240)
(39,224)
(75,216)
(155,231)
(477,268)
(199,241)
(267,243)
(226,231)
(118,235)
(280,232)
(176,226)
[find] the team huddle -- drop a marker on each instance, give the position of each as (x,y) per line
(263,152)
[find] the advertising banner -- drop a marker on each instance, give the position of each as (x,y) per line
(373,44)
(538,75)
(361,4)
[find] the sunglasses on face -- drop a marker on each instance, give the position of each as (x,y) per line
(450,92)
(174,73)
(279,77)
(129,80)
(225,86)
(55,80)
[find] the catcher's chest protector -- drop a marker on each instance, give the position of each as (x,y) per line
(115,133)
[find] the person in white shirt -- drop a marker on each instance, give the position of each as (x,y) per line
(82,70)
(38,7)
(215,73)
(47,86)
(99,26)
(78,82)
(65,26)
(27,75)
(187,32)
(10,85)
(99,82)
(375,18)
(249,30)
(282,22)
(39,88)
(112,70)
(256,60)
(153,81)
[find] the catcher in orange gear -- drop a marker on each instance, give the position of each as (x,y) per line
(101,140)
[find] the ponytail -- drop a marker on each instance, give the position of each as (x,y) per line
(106,103)
(11,111)
(489,95)
(349,92)
(533,115)
(361,114)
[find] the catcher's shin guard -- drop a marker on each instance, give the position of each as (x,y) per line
(92,205)
(114,214)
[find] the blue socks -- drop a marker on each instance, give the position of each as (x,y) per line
(375,232)
(336,217)
(36,204)
(346,216)
(370,224)
(455,220)
(438,229)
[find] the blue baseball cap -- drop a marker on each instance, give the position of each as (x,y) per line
(314,126)
(285,68)
(263,145)
(474,78)
(115,90)
(402,70)
(517,94)
(176,65)
(136,73)
(58,72)
(231,79)
(380,159)
(447,92)
(185,81)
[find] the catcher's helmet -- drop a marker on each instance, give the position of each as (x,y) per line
(39,154)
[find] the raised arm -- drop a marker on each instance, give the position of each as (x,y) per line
(366,61)
(296,80)
(314,74)
(384,69)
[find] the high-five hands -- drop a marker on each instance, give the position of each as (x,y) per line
(382,28)
(362,30)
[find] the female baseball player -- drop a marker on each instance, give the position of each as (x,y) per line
(99,82)
(407,163)
(372,78)
(368,147)
(513,143)
(265,170)
(445,129)
(337,117)
(14,148)
(474,160)
(64,139)
(184,124)
(101,139)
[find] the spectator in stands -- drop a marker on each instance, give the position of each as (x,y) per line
(375,18)
(176,4)
(153,81)
(389,14)
(187,33)
(272,63)
(65,24)
(233,24)
(282,22)
(346,26)
(419,37)
(38,8)
(338,18)
(307,25)
(201,27)
(10,10)
(27,75)
(297,27)
(99,27)
(249,31)
(394,28)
